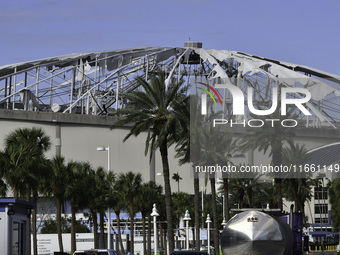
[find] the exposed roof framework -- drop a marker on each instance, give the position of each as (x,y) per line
(93,83)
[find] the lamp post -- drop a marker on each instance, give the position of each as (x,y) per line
(208,221)
(202,207)
(155,215)
(187,219)
(224,222)
(103,148)
(223,206)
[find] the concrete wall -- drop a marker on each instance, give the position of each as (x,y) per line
(78,136)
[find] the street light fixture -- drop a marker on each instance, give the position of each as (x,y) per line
(155,215)
(208,221)
(202,207)
(103,148)
(224,223)
(187,219)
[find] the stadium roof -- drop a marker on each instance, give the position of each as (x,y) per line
(95,82)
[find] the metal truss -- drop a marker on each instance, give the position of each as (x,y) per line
(94,83)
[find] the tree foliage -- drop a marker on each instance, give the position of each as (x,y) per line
(154,109)
(334,196)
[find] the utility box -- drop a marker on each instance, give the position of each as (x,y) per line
(14,218)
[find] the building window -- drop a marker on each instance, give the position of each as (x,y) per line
(321,208)
(320,193)
(323,220)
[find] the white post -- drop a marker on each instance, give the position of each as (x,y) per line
(223,206)
(186,219)
(14,87)
(208,221)
(224,222)
(103,148)
(155,214)
(202,208)
(117,90)
(108,209)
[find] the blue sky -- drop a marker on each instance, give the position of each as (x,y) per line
(301,31)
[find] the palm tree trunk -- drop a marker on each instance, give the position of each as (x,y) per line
(164,241)
(34,230)
(160,236)
(295,195)
(73,229)
(34,226)
(167,191)
(132,215)
(303,214)
(102,241)
(59,230)
(277,161)
(15,193)
(95,228)
(278,183)
(28,198)
(120,234)
(197,210)
(149,235)
(144,235)
(215,217)
(226,198)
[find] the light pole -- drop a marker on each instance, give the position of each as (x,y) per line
(202,208)
(224,223)
(223,206)
(208,221)
(187,219)
(155,215)
(103,148)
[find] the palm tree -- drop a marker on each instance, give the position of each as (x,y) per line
(263,194)
(96,197)
(24,150)
(269,138)
(102,193)
(115,199)
(72,194)
(188,149)
(243,190)
(130,183)
(56,186)
(25,164)
(216,148)
(176,177)
(3,186)
(75,194)
(14,165)
(181,202)
(194,143)
(149,194)
(298,188)
(110,180)
(334,196)
(153,110)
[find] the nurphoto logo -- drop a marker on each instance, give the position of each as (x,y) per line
(301,96)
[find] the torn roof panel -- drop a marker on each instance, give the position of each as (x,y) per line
(71,59)
(300,68)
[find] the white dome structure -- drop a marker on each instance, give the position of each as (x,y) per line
(93,83)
